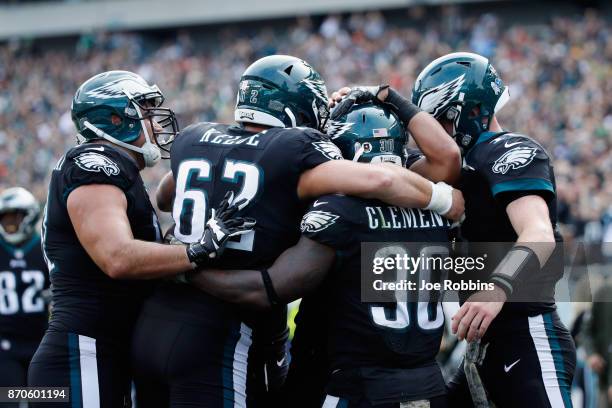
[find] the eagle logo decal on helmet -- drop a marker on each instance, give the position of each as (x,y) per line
(317,87)
(328,149)
(96,162)
(115,89)
(514,159)
(336,129)
(315,221)
(436,99)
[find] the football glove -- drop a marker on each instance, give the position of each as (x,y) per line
(357,95)
(400,105)
(220,227)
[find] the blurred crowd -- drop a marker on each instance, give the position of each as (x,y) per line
(559,72)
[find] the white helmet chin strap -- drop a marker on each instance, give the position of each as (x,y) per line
(358,153)
(150,152)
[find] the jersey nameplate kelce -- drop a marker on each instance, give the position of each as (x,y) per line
(214,136)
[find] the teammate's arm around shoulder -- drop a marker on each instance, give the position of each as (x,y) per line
(387,182)
(295,272)
(98,213)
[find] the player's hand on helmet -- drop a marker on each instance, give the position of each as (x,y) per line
(476,314)
(337,96)
(344,99)
(220,227)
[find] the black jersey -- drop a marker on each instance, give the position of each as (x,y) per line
(384,335)
(499,169)
(23,278)
(86,301)
(209,159)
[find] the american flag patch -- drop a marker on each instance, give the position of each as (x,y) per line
(380,132)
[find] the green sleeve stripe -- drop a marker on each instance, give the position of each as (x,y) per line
(523,184)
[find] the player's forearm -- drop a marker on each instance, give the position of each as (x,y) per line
(343,176)
(295,272)
(533,248)
(243,287)
(405,188)
(530,219)
(409,190)
(137,259)
(540,239)
(442,160)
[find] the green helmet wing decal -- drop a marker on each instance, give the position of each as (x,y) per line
(282,91)
(453,86)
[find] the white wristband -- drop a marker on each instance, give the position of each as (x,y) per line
(441,198)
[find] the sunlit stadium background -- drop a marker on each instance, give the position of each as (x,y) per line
(556,57)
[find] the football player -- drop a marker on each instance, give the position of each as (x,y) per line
(509,187)
(23,279)
(100,236)
(380,354)
(276,158)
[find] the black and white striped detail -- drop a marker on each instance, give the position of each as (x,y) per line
(84,380)
(330,401)
(240,365)
(550,379)
(89,372)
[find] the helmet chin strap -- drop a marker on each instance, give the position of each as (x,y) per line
(150,153)
(358,153)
